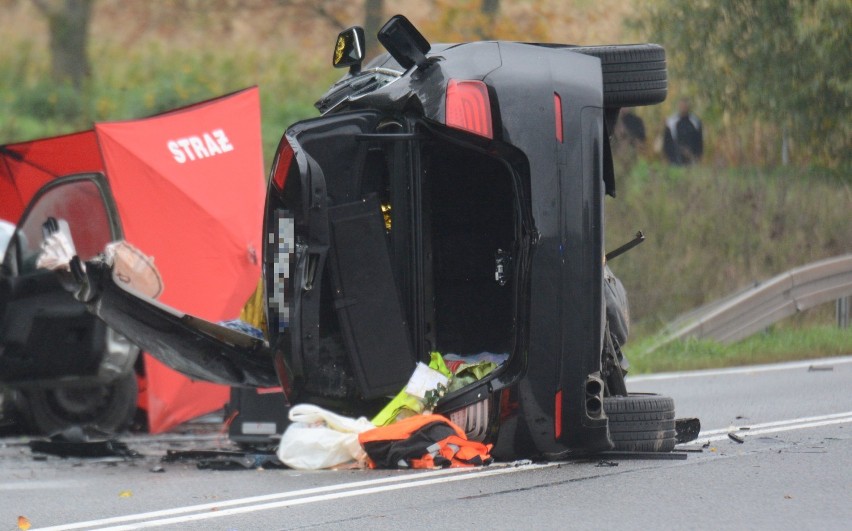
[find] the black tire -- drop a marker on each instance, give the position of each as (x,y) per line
(109,408)
(633,74)
(641,423)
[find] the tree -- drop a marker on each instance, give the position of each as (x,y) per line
(783,62)
(68,24)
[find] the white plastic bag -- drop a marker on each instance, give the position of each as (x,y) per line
(321,439)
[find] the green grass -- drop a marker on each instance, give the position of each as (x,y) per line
(775,345)
(711,232)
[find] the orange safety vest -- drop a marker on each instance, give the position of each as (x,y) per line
(422,441)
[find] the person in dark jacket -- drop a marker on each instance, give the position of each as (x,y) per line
(684,139)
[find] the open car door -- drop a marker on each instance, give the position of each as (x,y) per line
(37,313)
(197,348)
(69,368)
(336,309)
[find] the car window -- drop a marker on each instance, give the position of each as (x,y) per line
(6,231)
(78,202)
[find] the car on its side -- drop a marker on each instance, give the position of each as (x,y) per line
(449,198)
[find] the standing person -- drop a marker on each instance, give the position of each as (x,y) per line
(684,139)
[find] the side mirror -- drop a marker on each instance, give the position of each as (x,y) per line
(349,49)
(405,44)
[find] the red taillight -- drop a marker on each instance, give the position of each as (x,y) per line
(557,414)
(557,110)
(469,108)
(282,165)
(269,390)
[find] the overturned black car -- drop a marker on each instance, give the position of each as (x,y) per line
(450,198)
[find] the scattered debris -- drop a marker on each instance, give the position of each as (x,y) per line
(157,469)
(125,494)
(75,442)
(814,368)
(24,523)
(686,430)
(605,463)
(736,438)
(225,460)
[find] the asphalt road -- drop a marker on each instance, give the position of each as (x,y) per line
(793,470)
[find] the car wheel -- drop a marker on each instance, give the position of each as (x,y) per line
(641,422)
(110,408)
(633,74)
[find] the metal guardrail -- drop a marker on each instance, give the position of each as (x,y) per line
(749,311)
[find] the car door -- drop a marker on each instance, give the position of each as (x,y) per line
(45,334)
(346,330)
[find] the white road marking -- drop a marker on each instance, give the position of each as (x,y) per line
(774,427)
(750,369)
(371,485)
(480,473)
(39,484)
(787,422)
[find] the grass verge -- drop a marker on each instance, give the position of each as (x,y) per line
(774,345)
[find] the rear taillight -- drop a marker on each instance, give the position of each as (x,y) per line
(282,165)
(468,107)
